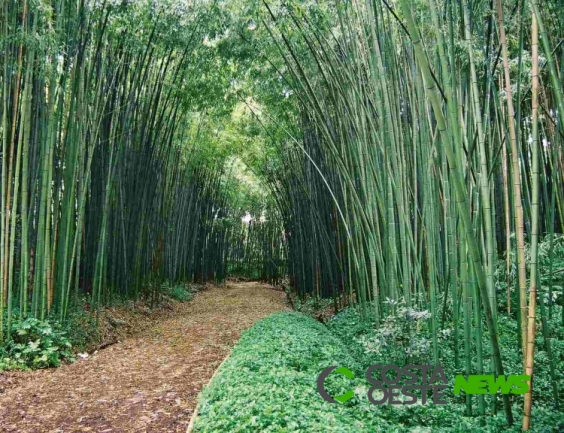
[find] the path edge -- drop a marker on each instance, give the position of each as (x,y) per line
(195,414)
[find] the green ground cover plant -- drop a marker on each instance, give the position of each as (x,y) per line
(405,338)
(269,381)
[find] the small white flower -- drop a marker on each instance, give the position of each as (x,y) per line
(287,93)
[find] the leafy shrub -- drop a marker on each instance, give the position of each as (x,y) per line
(401,338)
(178,292)
(311,306)
(7,364)
(35,344)
(351,328)
(81,329)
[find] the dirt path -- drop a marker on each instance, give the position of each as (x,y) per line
(147,383)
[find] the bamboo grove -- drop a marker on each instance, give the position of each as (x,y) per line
(421,162)
(429,160)
(257,249)
(103,190)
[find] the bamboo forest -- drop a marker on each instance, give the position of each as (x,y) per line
(282,216)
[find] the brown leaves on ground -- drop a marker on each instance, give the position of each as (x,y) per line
(146,383)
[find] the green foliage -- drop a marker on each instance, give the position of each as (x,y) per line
(269,381)
(551,273)
(404,338)
(35,344)
(81,329)
(351,327)
(178,292)
(542,391)
(269,384)
(311,305)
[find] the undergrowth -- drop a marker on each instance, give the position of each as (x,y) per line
(34,344)
(405,338)
(269,381)
(178,292)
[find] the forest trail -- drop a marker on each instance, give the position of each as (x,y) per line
(146,383)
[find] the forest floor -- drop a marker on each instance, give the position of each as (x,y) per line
(148,382)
